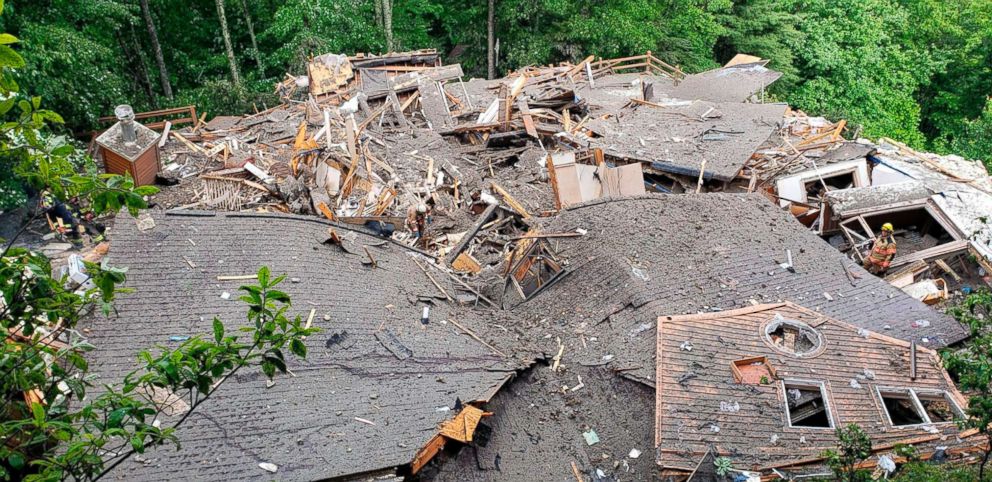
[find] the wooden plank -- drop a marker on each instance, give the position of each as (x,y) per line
(527,117)
(511,201)
(165,134)
(470,234)
(188,144)
(236,277)
(326,211)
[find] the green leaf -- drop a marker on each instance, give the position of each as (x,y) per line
(6,105)
(218,330)
(6,38)
(116,417)
(38,411)
(10,58)
(298,348)
(16,461)
(138,443)
(63,150)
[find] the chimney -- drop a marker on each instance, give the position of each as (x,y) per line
(125,115)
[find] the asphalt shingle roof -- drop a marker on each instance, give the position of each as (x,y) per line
(306,424)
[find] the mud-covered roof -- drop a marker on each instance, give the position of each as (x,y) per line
(677,138)
(373,360)
(682,254)
(858,199)
(748,421)
(736,83)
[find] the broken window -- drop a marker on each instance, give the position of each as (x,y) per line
(537,267)
(916,229)
(753,371)
(906,407)
(815,187)
(793,337)
(806,405)
(901,408)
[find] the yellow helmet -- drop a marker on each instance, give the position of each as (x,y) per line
(887,227)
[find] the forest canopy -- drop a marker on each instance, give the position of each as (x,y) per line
(915,70)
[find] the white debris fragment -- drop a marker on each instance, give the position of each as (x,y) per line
(886,463)
(869,374)
(827,296)
(266,466)
(730,407)
(855,384)
(634,453)
(686,346)
(225,296)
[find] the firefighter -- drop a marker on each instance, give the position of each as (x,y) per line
(417,219)
(59,216)
(883,250)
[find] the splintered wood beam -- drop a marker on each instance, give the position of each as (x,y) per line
(527,117)
(510,201)
(188,144)
(326,211)
(553,180)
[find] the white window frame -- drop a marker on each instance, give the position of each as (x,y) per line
(808,385)
(918,405)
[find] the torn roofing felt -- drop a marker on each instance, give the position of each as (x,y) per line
(691,253)
(373,359)
(677,138)
(742,410)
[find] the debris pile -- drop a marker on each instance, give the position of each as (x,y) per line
(448,234)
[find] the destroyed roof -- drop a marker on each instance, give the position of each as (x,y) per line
(962,189)
(612,92)
(736,83)
(677,138)
(748,421)
(691,253)
(844,202)
(372,361)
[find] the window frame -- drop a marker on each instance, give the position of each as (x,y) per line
(807,384)
(918,405)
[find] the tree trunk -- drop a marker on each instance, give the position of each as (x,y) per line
(387,20)
(227,43)
(491,40)
(251,33)
(378,13)
(985,461)
(137,66)
(163,73)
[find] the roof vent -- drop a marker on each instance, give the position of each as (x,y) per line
(793,337)
(125,115)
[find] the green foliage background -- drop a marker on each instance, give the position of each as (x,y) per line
(916,70)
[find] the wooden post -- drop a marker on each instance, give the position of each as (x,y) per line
(553,180)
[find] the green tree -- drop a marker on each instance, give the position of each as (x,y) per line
(853,447)
(858,66)
(51,429)
(972,366)
(765,28)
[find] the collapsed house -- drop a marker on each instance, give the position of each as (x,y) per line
(542,274)
(770,383)
(376,373)
(845,190)
(376,383)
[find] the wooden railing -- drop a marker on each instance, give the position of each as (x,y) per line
(176,116)
(646,63)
